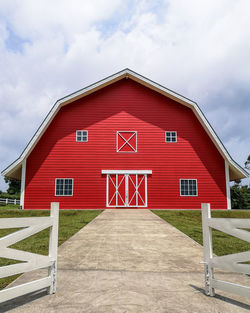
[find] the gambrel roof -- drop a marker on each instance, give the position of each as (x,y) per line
(235,170)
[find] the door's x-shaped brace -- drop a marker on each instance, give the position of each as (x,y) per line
(136,190)
(116,189)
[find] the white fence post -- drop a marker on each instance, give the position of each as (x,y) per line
(207,249)
(231,262)
(53,243)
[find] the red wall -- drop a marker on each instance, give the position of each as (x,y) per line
(125,105)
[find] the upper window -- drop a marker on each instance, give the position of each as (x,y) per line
(170,136)
(188,187)
(126,141)
(81,135)
(64,187)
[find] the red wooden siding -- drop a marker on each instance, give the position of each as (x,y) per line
(125,106)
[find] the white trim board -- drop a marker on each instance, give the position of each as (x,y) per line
(126,172)
(127,73)
(227,186)
(23,180)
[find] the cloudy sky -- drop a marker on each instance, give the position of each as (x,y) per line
(198,48)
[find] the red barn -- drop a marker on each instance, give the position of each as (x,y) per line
(125,141)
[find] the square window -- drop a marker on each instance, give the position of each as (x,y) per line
(82,136)
(170,136)
(64,187)
(188,187)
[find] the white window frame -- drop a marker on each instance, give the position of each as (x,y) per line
(188,187)
(126,141)
(171,137)
(83,130)
(63,189)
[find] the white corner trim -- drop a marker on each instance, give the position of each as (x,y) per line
(126,172)
(23,177)
(228,193)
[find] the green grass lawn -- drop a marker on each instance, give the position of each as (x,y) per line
(70,222)
(8,207)
(189,222)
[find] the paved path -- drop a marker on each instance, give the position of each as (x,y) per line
(129,261)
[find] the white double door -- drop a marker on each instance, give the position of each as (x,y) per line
(126,190)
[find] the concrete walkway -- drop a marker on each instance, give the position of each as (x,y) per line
(129,261)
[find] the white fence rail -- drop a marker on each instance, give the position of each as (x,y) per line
(232,262)
(31,261)
(9,201)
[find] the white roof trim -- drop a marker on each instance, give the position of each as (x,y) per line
(107,81)
(126,172)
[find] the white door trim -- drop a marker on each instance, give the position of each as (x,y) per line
(126,171)
(126,176)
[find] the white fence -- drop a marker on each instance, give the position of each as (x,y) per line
(9,201)
(232,262)
(31,261)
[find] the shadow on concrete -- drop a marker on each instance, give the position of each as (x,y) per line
(225,299)
(19,301)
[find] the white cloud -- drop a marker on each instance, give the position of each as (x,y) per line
(51,48)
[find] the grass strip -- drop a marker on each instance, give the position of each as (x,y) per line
(189,222)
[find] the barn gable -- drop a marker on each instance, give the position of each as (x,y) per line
(234,170)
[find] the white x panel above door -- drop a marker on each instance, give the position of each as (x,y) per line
(126,141)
